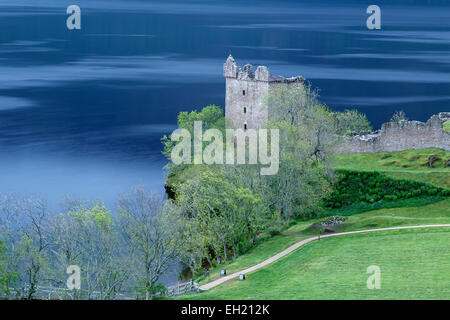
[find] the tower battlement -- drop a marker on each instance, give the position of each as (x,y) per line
(245,90)
(262,73)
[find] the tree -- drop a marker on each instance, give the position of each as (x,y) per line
(297,109)
(24,232)
(85,235)
(66,248)
(399,116)
(153,233)
(228,211)
(196,246)
(352,121)
(212,117)
(308,137)
(7,277)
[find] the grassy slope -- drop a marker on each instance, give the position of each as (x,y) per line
(414,265)
(408,164)
(436,213)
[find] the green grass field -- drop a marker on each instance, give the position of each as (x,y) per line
(436,213)
(408,164)
(414,264)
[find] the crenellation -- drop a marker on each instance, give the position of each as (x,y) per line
(262,74)
(245,90)
(230,68)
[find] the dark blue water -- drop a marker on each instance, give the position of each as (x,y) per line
(82,112)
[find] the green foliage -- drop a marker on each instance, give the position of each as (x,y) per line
(371,187)
(352,121)
(399,116)
(8,278)
(361,207)
(446,126)
(98,213)
(159,288)
(308,137)
(225,211)
(212,117)
(407,164)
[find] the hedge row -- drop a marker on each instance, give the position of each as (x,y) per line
(354,187)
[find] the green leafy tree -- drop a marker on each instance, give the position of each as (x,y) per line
(309,135)
(230,213)
(8,278)
(85,235)
(212,117)
(352,121)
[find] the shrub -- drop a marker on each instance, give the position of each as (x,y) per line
(369,187)
(399,116)
(446,126)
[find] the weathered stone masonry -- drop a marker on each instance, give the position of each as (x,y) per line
(246,89)
(398,136)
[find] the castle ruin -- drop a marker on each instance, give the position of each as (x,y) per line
(246,89)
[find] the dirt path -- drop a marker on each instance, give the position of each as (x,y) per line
(297,245)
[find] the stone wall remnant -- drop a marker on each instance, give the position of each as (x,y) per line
(402,135)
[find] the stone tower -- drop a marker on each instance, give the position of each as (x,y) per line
(245,91)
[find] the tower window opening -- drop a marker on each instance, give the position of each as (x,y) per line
(245,110)
(243,92)
(245,126)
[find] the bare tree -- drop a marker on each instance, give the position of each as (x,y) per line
(153,231)
(24,232)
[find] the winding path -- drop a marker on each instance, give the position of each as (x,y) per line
(299,244)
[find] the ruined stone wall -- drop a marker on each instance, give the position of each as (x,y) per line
(398,136)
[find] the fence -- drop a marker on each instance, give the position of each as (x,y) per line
(55,293)
(182,288)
